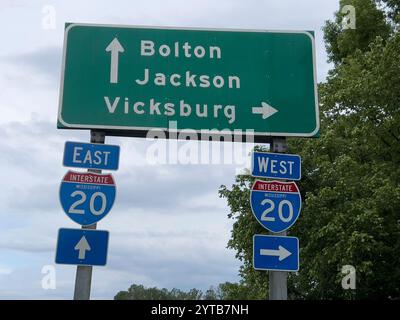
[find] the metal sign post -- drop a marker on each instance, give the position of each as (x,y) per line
(83,279)
(278,279)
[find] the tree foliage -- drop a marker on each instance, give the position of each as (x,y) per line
(139,292)
(393,9)
(370,23)
(224,291)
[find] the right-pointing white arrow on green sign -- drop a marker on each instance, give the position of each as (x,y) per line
(265,110)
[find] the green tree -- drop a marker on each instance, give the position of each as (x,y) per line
(224,291)
(139,292)
(241,291)
(351,175)
(371,22)
(393,8)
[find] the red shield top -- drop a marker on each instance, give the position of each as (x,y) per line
(275,186)
(88,178)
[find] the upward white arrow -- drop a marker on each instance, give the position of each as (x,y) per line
(82,246)
(282,253)
(266,110)
(115,48)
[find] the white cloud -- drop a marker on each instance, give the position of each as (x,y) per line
(4,270)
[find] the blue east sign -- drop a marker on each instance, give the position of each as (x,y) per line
(276,166)
(82,247)
(91,156)
(275,253)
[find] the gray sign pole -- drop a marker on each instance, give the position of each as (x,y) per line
(278,279)
(83,279)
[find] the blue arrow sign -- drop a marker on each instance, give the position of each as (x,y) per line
(91,156)
(276,166)
(82,247)
(275,253)
(87,197)
(275,204)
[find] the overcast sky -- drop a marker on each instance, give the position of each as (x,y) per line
(168,228)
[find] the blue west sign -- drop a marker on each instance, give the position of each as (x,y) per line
(91,156)
(87,197)
(276,166)
(82,247)
(275,253)
(275,204)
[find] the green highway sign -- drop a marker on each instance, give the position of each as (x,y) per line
(129,80)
